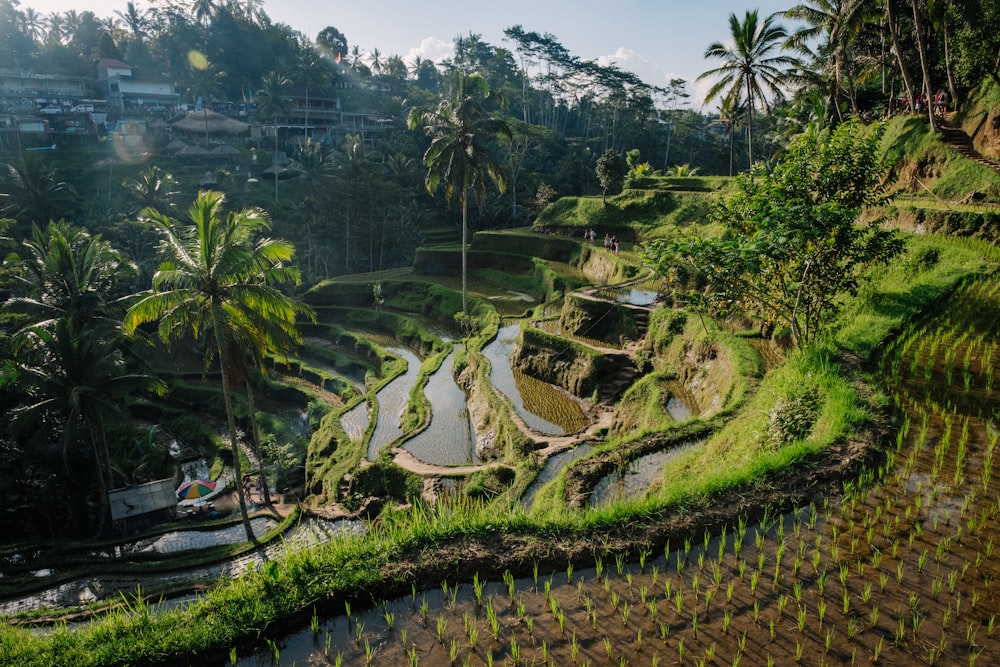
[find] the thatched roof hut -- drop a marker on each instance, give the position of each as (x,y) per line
(225,150)
(205,121)
(192,151)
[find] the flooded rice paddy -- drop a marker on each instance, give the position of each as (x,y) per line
(106,585)
(543,407)
(900,570)
(392,400)
(448,439)
(553,466)
(631,295)
(637,476)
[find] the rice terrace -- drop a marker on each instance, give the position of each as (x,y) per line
(508,394)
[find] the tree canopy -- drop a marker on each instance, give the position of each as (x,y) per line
(793,246)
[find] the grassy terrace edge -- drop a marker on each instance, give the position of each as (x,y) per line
(423,545)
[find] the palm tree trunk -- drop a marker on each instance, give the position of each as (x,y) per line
(276,167)
(258,450)
(749,123)
(922,50)
(893,33)
(465,227)
(234,441)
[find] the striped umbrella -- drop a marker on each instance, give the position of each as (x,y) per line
(195,489)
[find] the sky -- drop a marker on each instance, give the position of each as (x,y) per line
(656,39)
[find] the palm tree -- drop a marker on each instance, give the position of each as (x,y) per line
(73,382)
(457,156)
(836,23)
(33,24)
(67,274)
(203,10)
(311,70)
(151,188)
(69,367)
(375,61)
(748,64)
(219,280)
(135,19)
(31,191)
(272,103)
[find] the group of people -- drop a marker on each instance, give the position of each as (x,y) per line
(920,105)
(610,242)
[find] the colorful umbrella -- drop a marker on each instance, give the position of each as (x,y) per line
(195,489)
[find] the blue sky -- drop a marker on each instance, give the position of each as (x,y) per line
(656,39)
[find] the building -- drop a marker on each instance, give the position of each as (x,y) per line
(140,506)
(29,92)
(125,92)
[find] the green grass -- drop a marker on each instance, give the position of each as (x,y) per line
(739,455)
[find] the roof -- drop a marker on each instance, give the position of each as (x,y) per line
(204,120)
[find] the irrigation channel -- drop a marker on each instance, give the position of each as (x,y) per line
(899,570)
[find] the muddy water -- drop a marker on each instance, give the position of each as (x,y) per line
(543,407)
(448,440)
(637,477)
(553,466)
(392,401)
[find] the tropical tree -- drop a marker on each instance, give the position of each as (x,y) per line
(151,188)
(832,25)
(67,274)
(32,191)
(792,247)
(218,279)
(67,364)
(458,157)
(610,172)
(272,103)
(750,67)
(74,384)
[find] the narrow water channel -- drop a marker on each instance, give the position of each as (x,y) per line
(392,401)
(449,439)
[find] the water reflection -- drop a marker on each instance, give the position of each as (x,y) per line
(637,477)
(104,586)
(392,401)
(564,414)
(448,440)
(631,296)
(553,466)
(355,421)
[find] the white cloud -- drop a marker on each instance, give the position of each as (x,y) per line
(432,48)
(699,90)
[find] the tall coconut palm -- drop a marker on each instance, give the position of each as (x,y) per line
(749,62)
(220,280)
(69,370)
(72,383)
(834,24)
(458,157)
(65,273)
